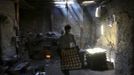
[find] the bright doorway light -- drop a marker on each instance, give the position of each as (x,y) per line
(64,2)
(97,13)
(102,30)
(87,2)
(110,60)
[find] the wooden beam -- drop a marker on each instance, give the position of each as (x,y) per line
(17,10)
(16,5)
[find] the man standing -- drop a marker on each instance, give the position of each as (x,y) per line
(69,54)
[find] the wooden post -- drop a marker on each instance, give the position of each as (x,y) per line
(17,10)
(16,4)
(0,43)
(17,16)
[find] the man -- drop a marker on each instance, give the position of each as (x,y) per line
(69,54)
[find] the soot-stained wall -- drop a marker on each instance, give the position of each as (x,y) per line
(7,23)
(123,10)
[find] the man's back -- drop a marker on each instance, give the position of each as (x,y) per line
(66,41)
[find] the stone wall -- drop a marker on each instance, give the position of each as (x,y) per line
(123,10)
(34,21)
(7,16)
(124,45)
(83,28)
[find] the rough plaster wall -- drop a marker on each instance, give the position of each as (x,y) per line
(7,8)
(7,31)
(124,45)
(37,21)
(123,10)
(82,33)
(109,38)
(82,30)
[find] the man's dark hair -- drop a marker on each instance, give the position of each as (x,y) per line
(67,27)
